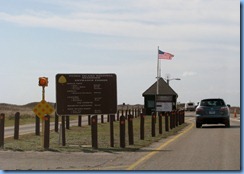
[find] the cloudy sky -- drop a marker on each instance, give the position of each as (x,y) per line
(46,37)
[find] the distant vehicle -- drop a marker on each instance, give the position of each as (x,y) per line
(190,106)
(212,111)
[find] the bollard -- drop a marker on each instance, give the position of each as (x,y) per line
(160,126)
(63,131)
(2,120)
(177,118)
(183,115)
(56,122)
(153,121)
(102,119)
(122,131)
(67,122)
(46,132)
(16,126)
(142,126)
(79,121)
(94,131)
(130,129)
(171,120)
(111,122)
(37,130)
(167,122)
(117,116)
(89,119)
(108,118)
(180,118)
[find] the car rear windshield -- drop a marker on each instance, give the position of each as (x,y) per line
(212,102)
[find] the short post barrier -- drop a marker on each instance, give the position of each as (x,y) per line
(56,120)
(102,119)
(160,123)
(170,120)
(177,118)
(122,131)
(16,125)
(94,131)
(153,121)
(166,121)
(67,122)
(130,129)
(37,127)
(108,118)
(111,122)
(2,120)
(180,120)
(183,116)
(63,131)
(142,126)
(47,131)
(118,115)
(89,119)
(79,121)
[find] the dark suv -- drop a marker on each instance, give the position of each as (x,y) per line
(212,111)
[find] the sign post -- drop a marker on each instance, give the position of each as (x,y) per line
(43,109)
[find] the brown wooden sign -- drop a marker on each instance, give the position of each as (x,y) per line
(86,94)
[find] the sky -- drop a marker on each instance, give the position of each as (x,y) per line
(46,37)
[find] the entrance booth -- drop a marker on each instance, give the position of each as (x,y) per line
(164,101)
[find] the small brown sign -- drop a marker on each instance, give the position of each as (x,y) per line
(86,94)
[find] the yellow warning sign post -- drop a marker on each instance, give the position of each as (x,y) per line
(43,110)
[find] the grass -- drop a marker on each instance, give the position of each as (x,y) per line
(78,139)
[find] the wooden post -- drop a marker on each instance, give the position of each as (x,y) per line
(130,129)
(56,120)
(16,126)
(153,125)
(89,119)
(142,125)
(47,132)
(94,131)
(167,122)
(2,120)
(102,119)
(63,131)
(67,122)
(122,131)
(111,130)
(79,121)
(160,126)
(37,125)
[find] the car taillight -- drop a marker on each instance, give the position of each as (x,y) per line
(199,110)
(224,109)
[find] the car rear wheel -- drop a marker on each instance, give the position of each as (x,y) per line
(198,125)
(227,124)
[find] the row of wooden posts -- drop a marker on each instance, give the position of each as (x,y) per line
(172,120)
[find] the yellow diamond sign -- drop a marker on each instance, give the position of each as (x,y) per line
(42,109)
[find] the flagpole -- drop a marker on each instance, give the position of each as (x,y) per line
(157,72)
(157,92)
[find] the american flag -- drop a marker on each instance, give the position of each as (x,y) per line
(164,55)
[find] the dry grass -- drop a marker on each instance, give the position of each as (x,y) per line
(79,139)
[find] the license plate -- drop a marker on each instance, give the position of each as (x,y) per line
(211,112)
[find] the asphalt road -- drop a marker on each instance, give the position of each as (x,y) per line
(212,147)
(209,148)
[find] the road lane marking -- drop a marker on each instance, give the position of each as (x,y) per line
(149,155)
